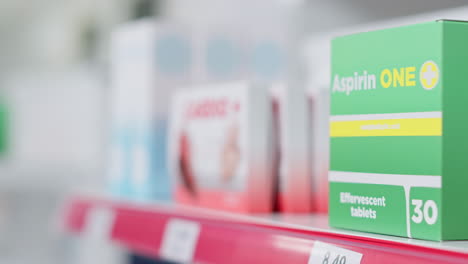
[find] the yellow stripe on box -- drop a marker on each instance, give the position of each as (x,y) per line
(387,127)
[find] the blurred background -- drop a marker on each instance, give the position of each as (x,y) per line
(55,91)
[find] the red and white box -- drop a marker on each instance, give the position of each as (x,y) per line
(293,155)
(220,147)
(318,106)
(317,58)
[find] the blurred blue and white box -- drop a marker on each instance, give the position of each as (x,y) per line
(149,60)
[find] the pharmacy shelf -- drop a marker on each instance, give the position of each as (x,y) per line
(152,230)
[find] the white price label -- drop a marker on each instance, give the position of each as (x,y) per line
(323,253)
(99,223)
(180,240)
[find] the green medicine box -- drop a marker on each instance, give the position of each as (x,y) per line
(3,129)
(399,131)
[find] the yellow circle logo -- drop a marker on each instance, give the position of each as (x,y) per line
(429,75)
